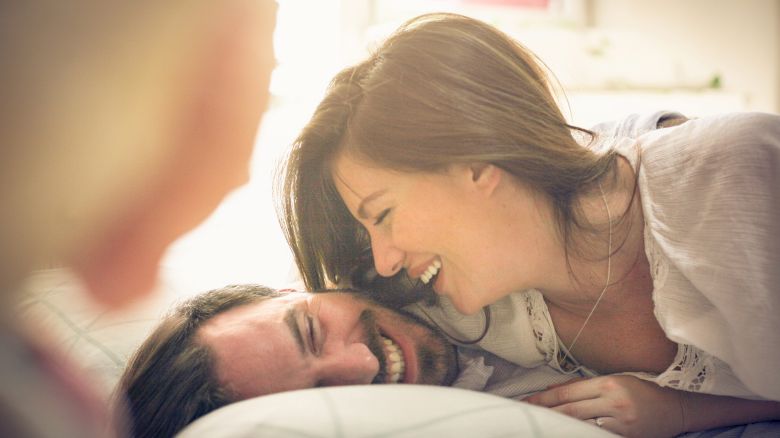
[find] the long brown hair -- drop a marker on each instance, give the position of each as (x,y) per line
(443,89)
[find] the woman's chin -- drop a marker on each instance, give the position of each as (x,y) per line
(465,306)
(463,302)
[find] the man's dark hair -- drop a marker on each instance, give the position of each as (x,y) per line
(170,380)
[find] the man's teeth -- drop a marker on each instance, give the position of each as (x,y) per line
(432,270)
(395,365)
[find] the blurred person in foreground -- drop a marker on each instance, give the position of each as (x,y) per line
(123,126)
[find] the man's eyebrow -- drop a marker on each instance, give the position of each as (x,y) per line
(361,211)
(290,318)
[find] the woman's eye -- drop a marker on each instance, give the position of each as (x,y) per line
(381,216)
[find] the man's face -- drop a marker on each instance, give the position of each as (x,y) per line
(303,340)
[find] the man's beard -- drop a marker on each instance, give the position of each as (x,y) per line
(435,355)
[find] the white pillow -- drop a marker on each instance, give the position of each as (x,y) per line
(392,411)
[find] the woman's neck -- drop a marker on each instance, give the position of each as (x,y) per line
(608,256)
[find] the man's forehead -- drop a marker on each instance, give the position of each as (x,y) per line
(291,295)
(253,345)
(272,308)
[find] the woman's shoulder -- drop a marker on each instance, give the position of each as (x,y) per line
(715,140)
(709,191)
(706,154)
(670,136)
(634,125)
(746,123)
(738,132)
(710,198)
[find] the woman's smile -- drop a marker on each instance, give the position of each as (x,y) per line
(426,271)
(451,230)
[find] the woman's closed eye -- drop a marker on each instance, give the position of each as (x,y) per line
(382,216)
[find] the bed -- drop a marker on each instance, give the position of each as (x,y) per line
(102,342)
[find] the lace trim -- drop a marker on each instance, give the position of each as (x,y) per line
(540,323)
(536,318)
(547,341)
(690,370)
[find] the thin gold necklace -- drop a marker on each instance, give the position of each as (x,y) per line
(609,274)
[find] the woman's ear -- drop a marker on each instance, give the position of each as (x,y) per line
(485,177)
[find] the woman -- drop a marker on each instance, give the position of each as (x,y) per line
(445,155)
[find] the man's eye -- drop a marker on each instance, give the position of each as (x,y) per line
(382,216)
(311,328)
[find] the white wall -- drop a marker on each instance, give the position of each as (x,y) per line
(740,40)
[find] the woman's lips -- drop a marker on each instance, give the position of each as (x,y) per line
(431,271)
(438,283)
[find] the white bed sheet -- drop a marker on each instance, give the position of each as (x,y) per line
(391,411)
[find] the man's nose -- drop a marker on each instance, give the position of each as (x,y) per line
(388,259)
(352,365)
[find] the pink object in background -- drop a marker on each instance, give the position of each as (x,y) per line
(541,4)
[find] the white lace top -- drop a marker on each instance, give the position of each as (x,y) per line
(710,191)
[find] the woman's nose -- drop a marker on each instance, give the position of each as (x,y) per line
(352,365)
(388,259)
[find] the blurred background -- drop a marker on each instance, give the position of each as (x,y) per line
(611,57)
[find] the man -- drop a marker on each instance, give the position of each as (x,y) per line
(244,341)
(123,126)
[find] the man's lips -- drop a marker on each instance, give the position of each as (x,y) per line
(395,363)
(397,360)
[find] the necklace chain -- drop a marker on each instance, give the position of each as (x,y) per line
(609,274)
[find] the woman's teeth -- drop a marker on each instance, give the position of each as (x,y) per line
(432,270)
(396,364)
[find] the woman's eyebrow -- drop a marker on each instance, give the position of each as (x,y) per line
(361,210)
(291,319)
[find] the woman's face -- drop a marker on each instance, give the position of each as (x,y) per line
(472,231)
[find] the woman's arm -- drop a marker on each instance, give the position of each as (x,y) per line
(706,411)
(633,407)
